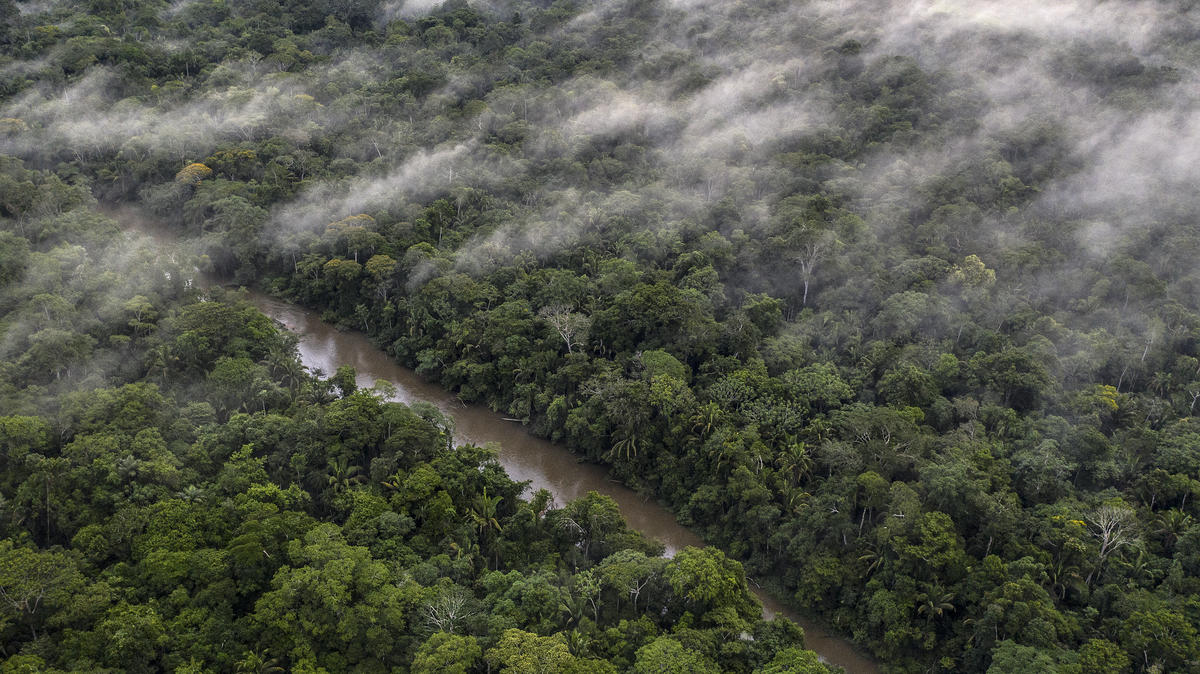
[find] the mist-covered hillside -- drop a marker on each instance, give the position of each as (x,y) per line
(897,303)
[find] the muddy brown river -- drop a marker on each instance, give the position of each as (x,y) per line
(525,457)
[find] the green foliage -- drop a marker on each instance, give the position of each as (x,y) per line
(665,655)
(218,507)
(794,661)
(519,652)
(877,356)
(447,654)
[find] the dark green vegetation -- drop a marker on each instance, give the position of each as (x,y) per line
(179,494)
(928,370)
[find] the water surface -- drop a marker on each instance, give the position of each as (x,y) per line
(525,457)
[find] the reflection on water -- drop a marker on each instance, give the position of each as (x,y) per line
(543,464)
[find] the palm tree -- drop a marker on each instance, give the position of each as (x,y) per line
(191,494)
(161,361)
(1065,577)
(573,607)
(578,643)
(706,419)
(1170,525)
(1142,568)
(395,482)
(726,451)
(872,558)
(483,513)
(935,603)
(794,462)
(797,499)
(626,447)
(258,662)
(292,374)
(343,474)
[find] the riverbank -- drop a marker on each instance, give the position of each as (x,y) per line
(543,464)
(523,456)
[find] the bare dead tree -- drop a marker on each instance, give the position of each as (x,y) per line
(572,327)
(449,608)
(813,250)
(1114,526)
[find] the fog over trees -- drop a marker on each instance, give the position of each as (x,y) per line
(896,304)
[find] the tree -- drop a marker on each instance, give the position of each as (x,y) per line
(572,327)
(334,603)
(935,603)
(653,316)
(1099,656)
(134,638)
(794,462)
(1114,526)
(19,437)
(1016,373)
(258,662)
(630,571)
(794,661)
(806,231)
(381,269)
(594,525)
(235,382)
(353,235)
(519,652)
(811,249)
(1023,611)
(346,380)
(344,276)
(192,174)
(448,608)
(713,588)
(32,581)
(588,585)
(973,273)
(142,314)
(14,251)
(819,386)
(665,655)
(445,653)
(1164,638)
(484,511)
(8,19)
(45,471)
(55,350)
(1012,658)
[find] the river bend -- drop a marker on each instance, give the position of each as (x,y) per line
(526,458)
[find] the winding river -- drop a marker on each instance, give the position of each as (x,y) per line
(525,457)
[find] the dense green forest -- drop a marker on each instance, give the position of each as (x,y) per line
(180,494)
(896,303)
